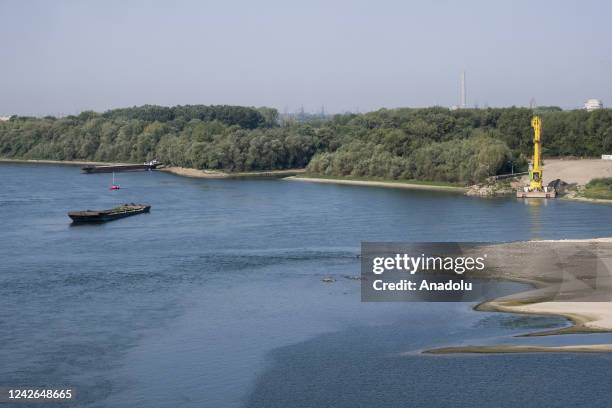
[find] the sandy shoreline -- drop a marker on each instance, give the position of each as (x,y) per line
(587,200)
(388,184)
(587,315)
(585,348)
(216,174)
(569,294)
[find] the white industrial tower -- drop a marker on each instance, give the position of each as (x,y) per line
(462,99)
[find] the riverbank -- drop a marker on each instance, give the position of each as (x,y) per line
(216,174)
(587,200)
(179,171)
(415,185)
(559,277)
(290,175)
(586,348)
(576,290)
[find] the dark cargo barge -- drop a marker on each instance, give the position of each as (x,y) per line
(125,210)
(152,165)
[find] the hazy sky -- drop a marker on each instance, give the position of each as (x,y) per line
(67,56)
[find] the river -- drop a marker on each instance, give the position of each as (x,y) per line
(215,298)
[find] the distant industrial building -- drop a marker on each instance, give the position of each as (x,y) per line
(593,104)
(5,118)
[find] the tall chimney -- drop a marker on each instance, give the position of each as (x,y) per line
(462,103)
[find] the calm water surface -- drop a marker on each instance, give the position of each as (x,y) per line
(215,298)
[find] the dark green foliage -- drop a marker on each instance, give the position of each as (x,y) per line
(456,161)
(248,118)
(460,146)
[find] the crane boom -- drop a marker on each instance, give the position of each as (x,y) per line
(535,188)
(535,174)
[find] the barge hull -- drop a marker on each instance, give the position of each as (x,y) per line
(81,217)
(536,194)
(118,168)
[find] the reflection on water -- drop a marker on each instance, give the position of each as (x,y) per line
(534,207)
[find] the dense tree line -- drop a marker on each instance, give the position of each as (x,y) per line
(456,161)
(429,144)
(244,117)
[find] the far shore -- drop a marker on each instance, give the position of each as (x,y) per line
(288,174)
(374,183)
(181,171)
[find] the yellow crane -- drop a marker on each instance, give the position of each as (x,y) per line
(535,188)
(535,173)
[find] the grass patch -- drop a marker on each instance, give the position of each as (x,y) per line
(599,188)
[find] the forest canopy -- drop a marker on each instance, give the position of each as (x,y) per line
(461,146)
